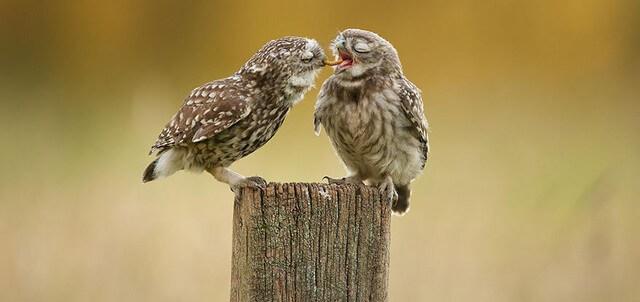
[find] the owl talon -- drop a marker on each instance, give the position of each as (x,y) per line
(255,182)
(259,181)
(388,190)
(391,195)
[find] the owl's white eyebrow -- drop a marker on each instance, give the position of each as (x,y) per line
(311,44)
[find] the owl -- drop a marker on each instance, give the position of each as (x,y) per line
(374,116)
(225,120)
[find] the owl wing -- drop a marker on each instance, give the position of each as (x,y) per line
(316,123)
(411,100)
(207,111)
(319,107)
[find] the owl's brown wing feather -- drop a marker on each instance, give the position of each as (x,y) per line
(209,110)
(320,105)
(411,100)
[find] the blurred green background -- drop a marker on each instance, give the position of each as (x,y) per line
(531,192)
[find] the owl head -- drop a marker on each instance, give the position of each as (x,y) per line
(362,52)
(294,61)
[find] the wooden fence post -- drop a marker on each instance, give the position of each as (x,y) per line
(310,242)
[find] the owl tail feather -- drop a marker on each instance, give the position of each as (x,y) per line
(401,206)
(167,163)
(149,173)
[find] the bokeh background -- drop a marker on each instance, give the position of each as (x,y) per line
(531,193)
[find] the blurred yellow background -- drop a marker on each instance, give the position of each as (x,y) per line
(531,192)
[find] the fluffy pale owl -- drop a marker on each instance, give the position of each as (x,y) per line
(374,116)
(227,119)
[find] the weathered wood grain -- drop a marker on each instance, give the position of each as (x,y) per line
(310,242)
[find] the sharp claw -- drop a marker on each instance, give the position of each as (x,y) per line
(255,182)
(388,190)
(391,195)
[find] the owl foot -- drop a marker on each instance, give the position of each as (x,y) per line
(345,180)
(255,182)
(388,190)
(237,181)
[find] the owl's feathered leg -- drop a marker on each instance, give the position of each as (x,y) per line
(388,189)
(354,179)
(235,180)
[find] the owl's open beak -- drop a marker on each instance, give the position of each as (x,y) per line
(346,59)
(333,63)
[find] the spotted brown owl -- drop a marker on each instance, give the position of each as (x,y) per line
(227,119)
(374,116)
